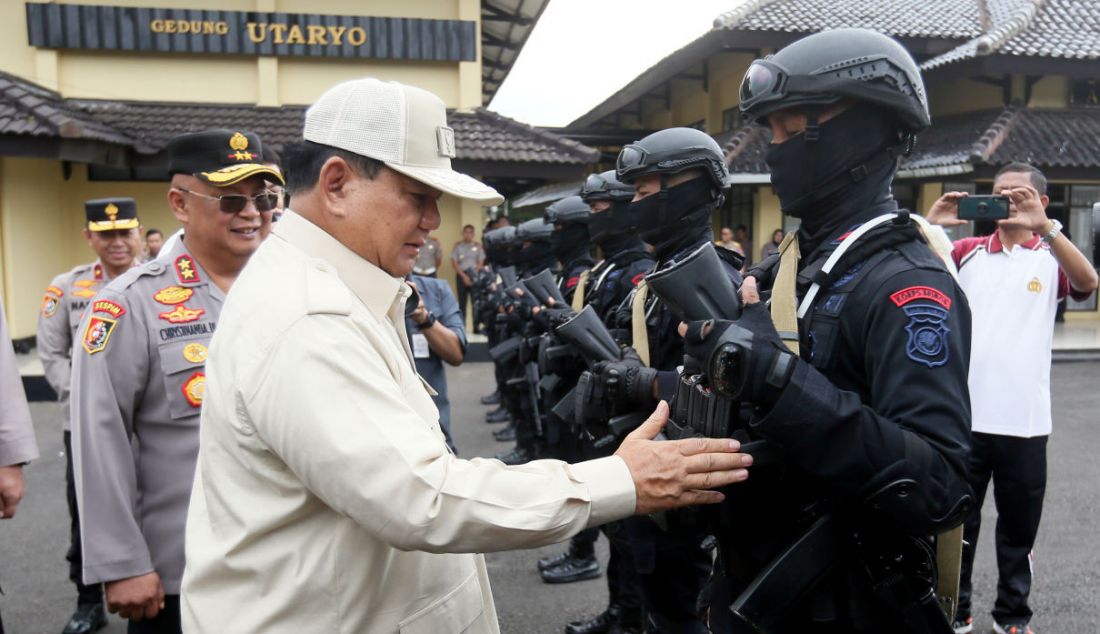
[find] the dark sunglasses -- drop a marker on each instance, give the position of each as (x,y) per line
(236,203)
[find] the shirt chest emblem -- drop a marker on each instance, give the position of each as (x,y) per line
(1035,286)
(181,314)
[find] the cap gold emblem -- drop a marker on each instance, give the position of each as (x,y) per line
(112,211)
(1035,285)
(238,141)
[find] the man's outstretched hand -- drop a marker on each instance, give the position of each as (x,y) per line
(676,473)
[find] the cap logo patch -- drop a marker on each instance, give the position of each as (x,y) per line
(173,295)
(185,269)
(97,334)
(181,314)
(238,142)
(109,307)
(194,352)
(194,389)
(445,138)
(112,211)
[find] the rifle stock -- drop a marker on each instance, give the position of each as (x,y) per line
(590,336)
(543,287)
(697,287)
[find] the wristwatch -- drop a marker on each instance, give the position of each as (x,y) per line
(1055,229)
(427,323)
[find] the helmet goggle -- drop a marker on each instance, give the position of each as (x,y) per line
(596,187)
(764,81)
(634,161)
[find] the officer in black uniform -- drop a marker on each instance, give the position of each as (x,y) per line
(871,416)
(534,256)
(679,177)
(626,262)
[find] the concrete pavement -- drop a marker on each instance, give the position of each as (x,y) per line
(38,598)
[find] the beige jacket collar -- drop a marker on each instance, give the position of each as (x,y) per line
(378,290)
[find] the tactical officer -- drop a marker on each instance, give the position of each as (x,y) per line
(114,234)
(138,376)
(868,406)
(625,263)
(520,397)
(679,177)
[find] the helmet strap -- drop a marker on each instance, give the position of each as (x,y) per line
(813,129)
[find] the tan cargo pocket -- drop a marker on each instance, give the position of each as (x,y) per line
(183,364)
(453,613)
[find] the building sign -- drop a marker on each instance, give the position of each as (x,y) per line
(103,28)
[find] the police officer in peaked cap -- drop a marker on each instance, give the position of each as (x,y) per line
(139,376)
(113,231)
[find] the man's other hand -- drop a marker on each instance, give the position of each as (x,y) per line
(672,474)
(11,490)
(136,598)
(945,211)
(1028,207)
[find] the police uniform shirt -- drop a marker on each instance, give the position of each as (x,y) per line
(17,444)
(63,305)
(425,260)
(324,483)
(467,256)
(138,384)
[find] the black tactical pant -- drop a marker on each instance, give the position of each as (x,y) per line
(85,594)
(463,296)
(672,568)
(1018,468)
(167,621)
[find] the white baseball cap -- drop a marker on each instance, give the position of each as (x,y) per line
(402,126)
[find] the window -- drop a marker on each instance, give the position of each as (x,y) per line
(1085,92)
(731,119)
(1079,229)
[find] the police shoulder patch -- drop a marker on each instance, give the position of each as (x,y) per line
(50,302)
(97,333)
(637,279)
(571,282)
(927,310)
(109,307)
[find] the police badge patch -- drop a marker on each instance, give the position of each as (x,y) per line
(98,333)
(927,309)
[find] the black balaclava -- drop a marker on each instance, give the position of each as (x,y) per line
(677,218)
(611,229)
(571,243)
(840,179)
(536,256)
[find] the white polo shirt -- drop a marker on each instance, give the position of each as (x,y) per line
(1013,295)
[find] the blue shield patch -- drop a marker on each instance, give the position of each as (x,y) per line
(928,331)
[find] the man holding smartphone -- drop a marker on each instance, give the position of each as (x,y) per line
(1013,280)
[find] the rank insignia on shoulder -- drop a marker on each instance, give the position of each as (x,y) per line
(173,295)
(927,309)
(109,307)
(181,314)
(97,334)
(97,271)
(194,352)
(194,388)
(185,270)
(50,303)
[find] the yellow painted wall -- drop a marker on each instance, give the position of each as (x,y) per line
(963,95)
(1050,92)
(239,79)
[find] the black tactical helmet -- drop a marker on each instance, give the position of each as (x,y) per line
(500,238)
(672,151)
(535,230)
(567,211)
(825,67)
(604,186)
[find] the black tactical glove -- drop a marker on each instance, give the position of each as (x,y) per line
(743,359)
(627,384)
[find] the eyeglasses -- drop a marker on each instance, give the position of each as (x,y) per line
(236,203)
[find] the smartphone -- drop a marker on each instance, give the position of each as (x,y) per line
(983,208)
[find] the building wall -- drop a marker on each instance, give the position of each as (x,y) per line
(41,210)
(269,81)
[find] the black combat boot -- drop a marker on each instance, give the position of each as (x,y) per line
(89,617)
(519,455)
(498,415)
(506,434)
(602,622)
(491,399)
(572,569)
